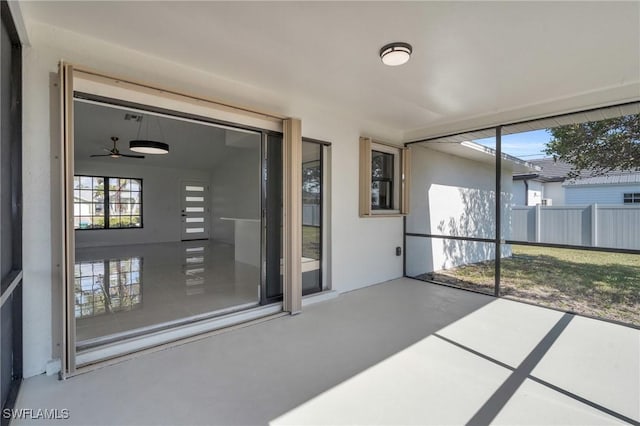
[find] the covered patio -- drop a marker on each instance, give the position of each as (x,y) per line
(400,352)
(274,258)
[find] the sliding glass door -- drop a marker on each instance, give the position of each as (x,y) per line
(175,238)
(312,206)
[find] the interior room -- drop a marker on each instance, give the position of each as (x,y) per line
(161,238)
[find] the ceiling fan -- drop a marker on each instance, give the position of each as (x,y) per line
(114,152)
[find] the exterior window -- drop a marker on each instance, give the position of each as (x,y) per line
(382,180)
(631,198)
(102,202)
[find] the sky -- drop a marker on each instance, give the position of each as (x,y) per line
(526,145)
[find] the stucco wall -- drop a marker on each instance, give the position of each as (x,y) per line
(537,191)
(535,194)
(519,193)
(455,196)
(362,250)
(555,192)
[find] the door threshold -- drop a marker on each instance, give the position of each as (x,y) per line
(116,337)
(171,336)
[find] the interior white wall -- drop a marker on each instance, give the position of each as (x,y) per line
(363,250)
(161,190)
(235,191)
(451,195)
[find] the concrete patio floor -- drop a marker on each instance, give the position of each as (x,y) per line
(401,352)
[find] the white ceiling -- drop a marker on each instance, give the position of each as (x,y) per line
(471,59)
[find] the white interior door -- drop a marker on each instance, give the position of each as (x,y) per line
(195,214)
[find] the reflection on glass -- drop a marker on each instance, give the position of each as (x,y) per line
(465,264)
(605,285)
(107,286)
(194,270)
(311,217)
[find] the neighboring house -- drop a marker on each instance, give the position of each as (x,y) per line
(541,187)
(612,188)
(552,186)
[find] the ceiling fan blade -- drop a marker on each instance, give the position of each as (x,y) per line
(100,155)
(131,156)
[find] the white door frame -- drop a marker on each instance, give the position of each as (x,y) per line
(191,218)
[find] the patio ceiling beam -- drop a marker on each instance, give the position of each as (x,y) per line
(593,114)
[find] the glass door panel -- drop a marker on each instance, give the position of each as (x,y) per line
(311,217)
(163,240)
(272,186)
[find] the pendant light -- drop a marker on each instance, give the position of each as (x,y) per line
(148,146)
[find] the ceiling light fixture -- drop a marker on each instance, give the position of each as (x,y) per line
(149,147)
(396,53)
(145,145)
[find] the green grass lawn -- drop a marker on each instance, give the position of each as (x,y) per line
(599,284)
(311,242)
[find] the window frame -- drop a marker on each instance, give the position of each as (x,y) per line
(322,162)
(107,204)
(631,198)
(395,163)
(400,179)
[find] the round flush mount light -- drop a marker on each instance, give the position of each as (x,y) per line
(394,54)
(149,147)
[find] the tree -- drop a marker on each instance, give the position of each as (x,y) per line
(598,146)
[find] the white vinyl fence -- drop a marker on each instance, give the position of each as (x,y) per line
(311,214)
(598,225)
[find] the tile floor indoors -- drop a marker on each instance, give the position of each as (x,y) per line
(401,352)
(151,284)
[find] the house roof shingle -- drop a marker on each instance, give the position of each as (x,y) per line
(629,178)
(552,171)
(558,171)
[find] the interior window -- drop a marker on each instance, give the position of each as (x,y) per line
(107,202)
